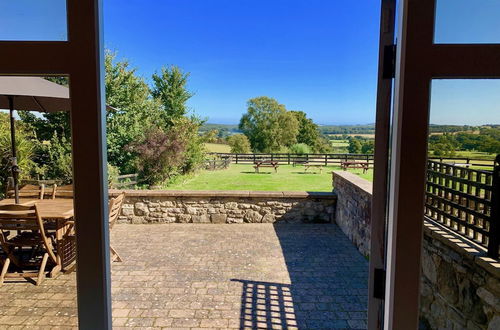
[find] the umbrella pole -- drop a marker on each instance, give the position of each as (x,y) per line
(15,168)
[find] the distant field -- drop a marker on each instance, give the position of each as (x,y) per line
(339,143)
(243,177)
(475,155)
(217,147)
(368,136)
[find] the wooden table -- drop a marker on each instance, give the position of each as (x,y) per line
(265,163)
(309,165)
(354,164)
(61,212)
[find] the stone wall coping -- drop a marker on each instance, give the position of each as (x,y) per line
(465,247)
(356,180)
(230,193)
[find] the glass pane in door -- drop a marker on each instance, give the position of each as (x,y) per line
(33,20)
(467,21)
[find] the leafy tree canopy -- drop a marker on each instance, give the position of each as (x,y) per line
(169,87)
(239,144)
(268,125)
(133,111)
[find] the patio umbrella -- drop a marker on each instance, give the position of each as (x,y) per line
(30,94)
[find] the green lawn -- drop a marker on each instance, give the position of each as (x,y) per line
(243,177)
(476,156)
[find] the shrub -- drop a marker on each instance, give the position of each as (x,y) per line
(54,159)
(113,173)
(239,144)
(25,151)
(161,155)
(300,148)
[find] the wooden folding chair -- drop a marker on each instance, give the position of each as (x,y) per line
(63,191)
(115,206)
(27,223)
(50,191)
(28,191)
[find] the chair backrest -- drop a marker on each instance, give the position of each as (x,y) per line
(63,191)
(50,191)
(28,191)
(20,217)
(115,206)
(23,217)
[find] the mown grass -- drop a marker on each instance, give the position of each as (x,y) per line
(476,155)
(243,177)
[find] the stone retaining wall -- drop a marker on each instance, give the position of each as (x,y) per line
(460,286)
(156,206)
(354,204)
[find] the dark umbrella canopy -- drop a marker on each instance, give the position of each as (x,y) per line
(30,94)
(34,94)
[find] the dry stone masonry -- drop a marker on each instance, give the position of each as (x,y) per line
(151,206)
(354,205)
(460,286)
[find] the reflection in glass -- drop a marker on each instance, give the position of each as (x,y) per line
(465,102)
(467,21)
(33,20)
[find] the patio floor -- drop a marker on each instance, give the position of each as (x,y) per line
(187,276)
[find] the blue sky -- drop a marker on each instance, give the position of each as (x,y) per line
(319,56)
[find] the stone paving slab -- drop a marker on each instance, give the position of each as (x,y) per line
(189,276)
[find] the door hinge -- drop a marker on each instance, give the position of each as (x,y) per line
(379,284)
(389,70)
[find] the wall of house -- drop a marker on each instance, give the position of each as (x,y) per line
(156,206)
(460,286)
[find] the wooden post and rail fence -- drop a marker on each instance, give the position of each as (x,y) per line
(292,159)
(335,159)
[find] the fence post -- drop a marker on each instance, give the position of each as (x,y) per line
(288,158)
(326,160)
(236,158)
(494,239)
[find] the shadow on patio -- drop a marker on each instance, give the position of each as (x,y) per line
(245,276)
(328,284)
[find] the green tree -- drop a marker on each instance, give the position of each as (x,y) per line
(355,146)
(170,91)
(195,150)
(25,146)
(169,87)
(268,125)
(133,111)
(239,144)
(308,131)
(300,149)
(54,159)
(45,126)
(368,147)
